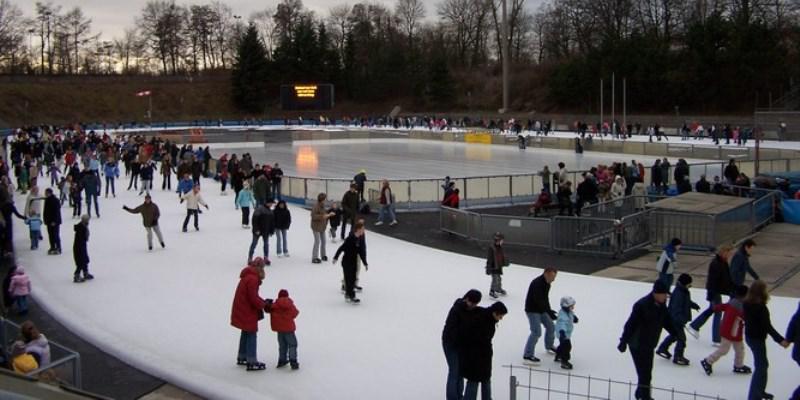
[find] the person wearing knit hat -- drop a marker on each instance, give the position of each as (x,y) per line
(680,310)
(282,316)
(642,331)
(462,310)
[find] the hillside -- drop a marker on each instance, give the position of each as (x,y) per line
(69,99)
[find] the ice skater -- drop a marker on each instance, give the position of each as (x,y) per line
(193,201)
(564,327)
(111,172)
(245,200)
(537,307)
(319,220)
(757,326)
(349,208)
(495,262)
(263,227)
(283,220)
(248,307)
(731,334)
(352,249)
(641,333)
(150,215)
(335,220)
(475,354)
(460,312)
(680,310)
(718,283)
(282,315)
(668,262)
(52,219)
(80,251)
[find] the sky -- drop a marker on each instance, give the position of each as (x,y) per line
(111,17)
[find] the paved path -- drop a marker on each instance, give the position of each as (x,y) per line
(775,259)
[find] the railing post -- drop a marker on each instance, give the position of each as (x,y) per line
(409,195)
(512,388)
(77,375)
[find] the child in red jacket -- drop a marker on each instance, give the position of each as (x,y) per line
(731,331)
(282,315)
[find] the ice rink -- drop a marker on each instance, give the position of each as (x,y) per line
(167,312)
(411,158)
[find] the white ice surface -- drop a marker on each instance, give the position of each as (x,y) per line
(412,158)
(168,312)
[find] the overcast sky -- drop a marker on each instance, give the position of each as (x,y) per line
(111,17)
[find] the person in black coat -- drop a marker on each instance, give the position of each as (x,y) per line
(642,332)
(537,308)
(475,352)
(80,251)
(283,219)
(718,283)
(587,192)
(349,208)
(352,249)
(52,219)
(263,224)
(8,210)
(702,186)
(461,311)
(757,326)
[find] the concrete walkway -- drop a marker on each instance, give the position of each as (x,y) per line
(775,259)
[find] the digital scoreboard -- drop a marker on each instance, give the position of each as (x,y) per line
(307,97)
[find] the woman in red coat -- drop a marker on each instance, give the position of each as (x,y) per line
(248,308)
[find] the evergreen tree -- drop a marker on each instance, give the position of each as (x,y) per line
(441,85)
(250,73)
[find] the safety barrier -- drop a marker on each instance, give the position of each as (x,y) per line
(619,208)
(531,383)
(522,231)
(65,364)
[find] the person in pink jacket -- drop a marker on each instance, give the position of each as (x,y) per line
(19,289)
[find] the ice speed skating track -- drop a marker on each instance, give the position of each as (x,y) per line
(167,312)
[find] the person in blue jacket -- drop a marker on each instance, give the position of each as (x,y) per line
(740,263)
(245,200)
(185,185)
(111,171)
(565,323)
(680,310)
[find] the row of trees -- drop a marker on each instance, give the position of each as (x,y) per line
(703,55)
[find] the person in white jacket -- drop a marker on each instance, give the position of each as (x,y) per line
(193,201)
(617,195)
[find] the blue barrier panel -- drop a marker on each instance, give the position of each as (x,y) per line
(791,211)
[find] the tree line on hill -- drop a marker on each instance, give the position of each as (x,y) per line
(689,55)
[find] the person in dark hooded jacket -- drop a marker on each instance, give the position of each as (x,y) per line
(263,227)
(475,351)
(283,219)
(680,310)
(80,251)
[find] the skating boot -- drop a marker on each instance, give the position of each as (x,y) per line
(707,367)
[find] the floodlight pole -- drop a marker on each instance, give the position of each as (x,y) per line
(506,57)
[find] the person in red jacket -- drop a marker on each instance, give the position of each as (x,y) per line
(451,200)
(282,315)
(248,308)
(731,333)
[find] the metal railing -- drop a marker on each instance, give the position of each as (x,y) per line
(493,190)
(65,364)
(524,231)
(618,208)
(555,385)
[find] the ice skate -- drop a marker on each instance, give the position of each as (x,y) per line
(256,366)
(680,360)
(695,334)
(664,354)
(531,360)
(707,367)
(566,365)
(744,369)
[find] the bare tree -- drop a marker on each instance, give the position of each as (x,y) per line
(339,21)
(161,25)
(410,13)
(264,22)
(12,32)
